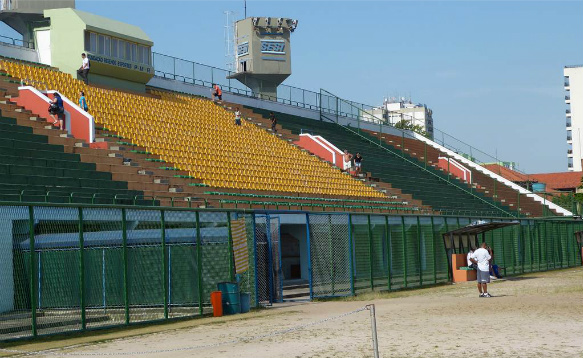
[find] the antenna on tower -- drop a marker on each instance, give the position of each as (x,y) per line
(230,39)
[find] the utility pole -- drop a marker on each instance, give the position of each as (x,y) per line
(245,5)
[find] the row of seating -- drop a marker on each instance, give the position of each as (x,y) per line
(31,169)
(289,205)
(199,137)
(430,186)
(423,153)
(288,197)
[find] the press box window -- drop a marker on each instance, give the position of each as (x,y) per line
(90,42)
(101,44)
(114,44)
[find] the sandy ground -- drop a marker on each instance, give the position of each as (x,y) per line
(537,315)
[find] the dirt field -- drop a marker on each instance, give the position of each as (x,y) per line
(537,315)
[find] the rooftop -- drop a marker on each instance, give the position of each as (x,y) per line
(563,180)
(507,173)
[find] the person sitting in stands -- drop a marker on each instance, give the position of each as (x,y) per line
(347,160)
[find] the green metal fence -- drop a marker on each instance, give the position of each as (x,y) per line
(70,268)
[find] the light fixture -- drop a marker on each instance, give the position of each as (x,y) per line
(255,21)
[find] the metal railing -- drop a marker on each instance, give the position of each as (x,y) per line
(203,75)
(199,74)
(382,144)
(83,267)
(16,42)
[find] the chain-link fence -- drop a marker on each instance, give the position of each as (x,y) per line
(69,268)
(332,270)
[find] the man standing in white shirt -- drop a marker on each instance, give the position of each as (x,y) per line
(482,257)
(83,71)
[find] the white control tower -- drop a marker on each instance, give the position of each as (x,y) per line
(263,53)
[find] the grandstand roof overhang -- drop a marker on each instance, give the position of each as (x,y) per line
(467,236)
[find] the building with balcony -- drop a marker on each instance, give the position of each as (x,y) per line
(574,112)
(396,110)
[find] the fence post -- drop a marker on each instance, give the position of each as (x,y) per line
(164,262)
(404,251)
(332,266)
(518,204)
(425,155)
(255,263)
(370,252)
(419,251)
(350,255)
(33,279)
(124,244)
(82,270)
(193,73)
(336,109)
(174,67)
(230,248)
(434,254)
(389,257)
(537,227)
(309,256)
(199,263)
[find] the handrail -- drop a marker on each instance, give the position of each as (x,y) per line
(423,168)
(32,82)
(205,75)
(469,161)
(25,44)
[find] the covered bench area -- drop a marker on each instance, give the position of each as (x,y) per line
(458,242)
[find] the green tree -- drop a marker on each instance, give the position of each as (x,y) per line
(407,125)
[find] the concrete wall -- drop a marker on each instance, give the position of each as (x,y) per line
(18,52)
(67,40)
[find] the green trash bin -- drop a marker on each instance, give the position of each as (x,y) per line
(231,297)
(245,302)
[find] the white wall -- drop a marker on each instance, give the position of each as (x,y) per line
(576,92)
(18,52)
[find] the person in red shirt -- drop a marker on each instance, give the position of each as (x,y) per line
(217,93)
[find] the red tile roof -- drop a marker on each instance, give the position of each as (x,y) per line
(565,180)
(506,173)
(554,181)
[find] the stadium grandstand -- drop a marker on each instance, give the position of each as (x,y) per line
(156,193)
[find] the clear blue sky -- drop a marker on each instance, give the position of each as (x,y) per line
(490,70)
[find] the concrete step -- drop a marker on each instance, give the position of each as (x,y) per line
(117,147)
